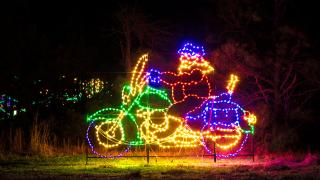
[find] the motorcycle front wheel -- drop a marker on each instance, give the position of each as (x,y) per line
(105,138)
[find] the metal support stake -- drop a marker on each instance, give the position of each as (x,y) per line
(252,148)
(86,156)
(214,152)
(148,153)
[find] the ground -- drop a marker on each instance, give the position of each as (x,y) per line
(74,167)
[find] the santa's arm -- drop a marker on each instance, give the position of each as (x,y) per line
(172,79)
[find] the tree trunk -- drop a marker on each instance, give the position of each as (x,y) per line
(127,52)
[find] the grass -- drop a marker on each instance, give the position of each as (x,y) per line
(42,157)
(182,168)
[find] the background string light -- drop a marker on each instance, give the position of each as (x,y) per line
(92,87)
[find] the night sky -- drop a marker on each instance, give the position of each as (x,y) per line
(43,37)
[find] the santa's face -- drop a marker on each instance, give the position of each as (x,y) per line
(189,63)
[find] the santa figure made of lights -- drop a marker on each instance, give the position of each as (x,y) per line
(189,85)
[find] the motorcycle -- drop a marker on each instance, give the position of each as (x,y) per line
(142,119)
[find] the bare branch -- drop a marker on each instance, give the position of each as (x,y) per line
(287,76)
(290,86)
(262,91)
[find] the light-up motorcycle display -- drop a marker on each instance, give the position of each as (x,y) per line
(143,118)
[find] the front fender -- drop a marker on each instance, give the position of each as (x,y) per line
(106,114)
